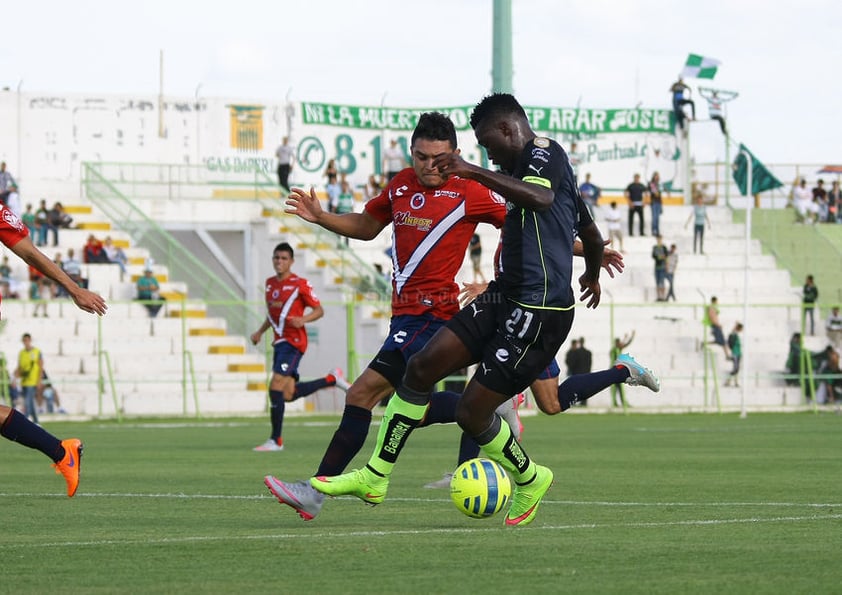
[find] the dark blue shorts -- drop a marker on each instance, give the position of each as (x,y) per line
(407,336)
(286,360)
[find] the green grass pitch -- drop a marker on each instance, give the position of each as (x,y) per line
(640,504)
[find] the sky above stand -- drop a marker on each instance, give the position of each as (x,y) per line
(783,59)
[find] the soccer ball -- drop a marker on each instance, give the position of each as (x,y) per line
(480,488)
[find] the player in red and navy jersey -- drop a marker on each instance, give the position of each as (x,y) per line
(433,219)
(66,454)
(290,304)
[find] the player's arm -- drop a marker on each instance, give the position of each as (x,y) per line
(360,226)
(314,314)
(529,195)
(592,246)
(84,299)
(255,336)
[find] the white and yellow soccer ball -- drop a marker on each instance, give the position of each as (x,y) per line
(480,488)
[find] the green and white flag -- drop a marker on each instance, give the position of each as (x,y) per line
(699,67)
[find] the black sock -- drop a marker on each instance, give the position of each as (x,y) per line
(19,429)
(442,408)
(581,387)
(303,389)
(468,448)
(347,441)
(276,413)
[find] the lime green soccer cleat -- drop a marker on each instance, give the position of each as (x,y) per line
(362,483)
(526,498)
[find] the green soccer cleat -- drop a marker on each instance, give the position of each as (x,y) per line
(362,483)
(526,498)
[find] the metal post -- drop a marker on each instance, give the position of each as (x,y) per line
(746,279)
(501,51)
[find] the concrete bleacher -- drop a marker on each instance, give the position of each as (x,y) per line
(143,365)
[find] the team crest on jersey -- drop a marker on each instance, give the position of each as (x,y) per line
(497,198)
(542,142)
(417,201)
(12,220)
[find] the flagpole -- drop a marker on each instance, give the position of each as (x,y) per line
(746,272)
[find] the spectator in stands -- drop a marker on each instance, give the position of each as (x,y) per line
(5,278)
(148,291)
(678,90)
(28,219)
(655,203)
(345,202)
(570,357)
(475,253)
(834,326)
(699,216)
(672,265)
(582,364)
(332,188)
(711,319)
(394,160)
(616,351)
(590,193)
(93,251)
(30,364)
(736,347)
(42,223)
(115,254)
(13,200)
(820,200)
(285,155)
(49,395)
(793,359)
(73,268)
(6,181)
(39,291)
(809,295)
(615,228)
(806,210)
(659,255)
(635,193)
(829,390)
(58,219)
(834,203)
(373,187)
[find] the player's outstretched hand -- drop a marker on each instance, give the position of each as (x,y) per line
(591,291)
(305,205)
(89,302)
(611,259)
(469,292)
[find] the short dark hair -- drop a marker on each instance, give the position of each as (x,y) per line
(496,105)
(284,247)
(435,126)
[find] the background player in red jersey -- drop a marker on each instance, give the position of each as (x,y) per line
(66,454)
(288,299)
(433,219)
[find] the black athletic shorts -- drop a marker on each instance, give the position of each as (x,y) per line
(512,344)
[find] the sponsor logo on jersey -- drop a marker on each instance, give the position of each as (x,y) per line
(421,223)
(502,355)
(447,193)
(542,142)
(540,154)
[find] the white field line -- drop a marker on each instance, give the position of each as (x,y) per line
(182,496)
(432,531)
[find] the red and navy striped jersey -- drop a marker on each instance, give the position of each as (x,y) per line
(431,229)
